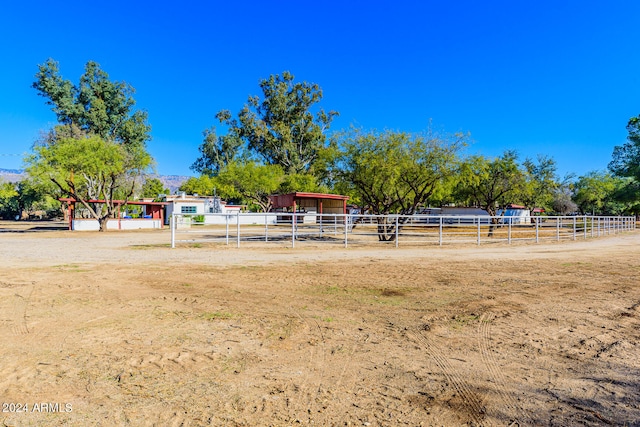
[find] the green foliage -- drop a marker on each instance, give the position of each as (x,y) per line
(301,182)
(98,151)
(280,127)
(8,200)
(217,152)
(85,169)
(203,184)
(397,172)
(491,183)
(95,106)
(540,183)
(600,193)
(153,187)
(253,183)
(626,157)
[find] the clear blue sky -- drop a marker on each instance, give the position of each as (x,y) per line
(559,78)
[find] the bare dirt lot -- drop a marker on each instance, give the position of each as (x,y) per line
(119,329)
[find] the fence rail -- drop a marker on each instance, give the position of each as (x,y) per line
(345,230)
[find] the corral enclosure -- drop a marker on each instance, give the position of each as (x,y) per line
(121,329)
(420,230)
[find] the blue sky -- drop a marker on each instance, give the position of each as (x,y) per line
(559,78)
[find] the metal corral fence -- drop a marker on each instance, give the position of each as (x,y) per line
(345,230)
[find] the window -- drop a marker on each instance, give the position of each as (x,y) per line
(187,209)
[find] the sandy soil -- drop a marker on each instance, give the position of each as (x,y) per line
(119,329)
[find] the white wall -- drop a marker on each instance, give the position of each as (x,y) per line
(114,224)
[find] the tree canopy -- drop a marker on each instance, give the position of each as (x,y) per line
(626,157)
(96,105)
(284,127)
(98,149)
(396,172)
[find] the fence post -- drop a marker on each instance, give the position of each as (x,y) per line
(397,233)
(440,233)
(584,232)
(172,221)
(535,219)
(238,227)
(574,228)
(479,231)
(293,230)
(266,227)
(227,229)
(345,229)
(558,221)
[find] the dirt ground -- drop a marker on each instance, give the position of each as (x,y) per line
(119,329)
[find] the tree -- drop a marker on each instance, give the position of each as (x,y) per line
(8,200)
(396,172)
(626,157)
(217,152)
(252,182)
(98,150)
(153,187)
(491,183)
(595,193)
(88,168)
(540,183)
(280,127)
(96,106)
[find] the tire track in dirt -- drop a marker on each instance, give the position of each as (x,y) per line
(471,405)
(499,382)
(19,303)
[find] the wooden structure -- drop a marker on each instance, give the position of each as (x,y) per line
(318,203)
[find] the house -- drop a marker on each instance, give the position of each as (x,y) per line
(195,205)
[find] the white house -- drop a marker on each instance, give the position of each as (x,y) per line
(192,206)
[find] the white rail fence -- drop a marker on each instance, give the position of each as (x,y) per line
(346,230)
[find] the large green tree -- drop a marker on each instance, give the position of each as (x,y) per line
(626,157)
(98,149)
(396,172)
(96,105)
(218,151)
(600,193)
(283,127)
(540,183)
(9,206)
(87,169)
(491,183)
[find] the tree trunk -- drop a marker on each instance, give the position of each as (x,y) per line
(103,222)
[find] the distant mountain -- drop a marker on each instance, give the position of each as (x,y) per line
(172,182)
(11,175)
